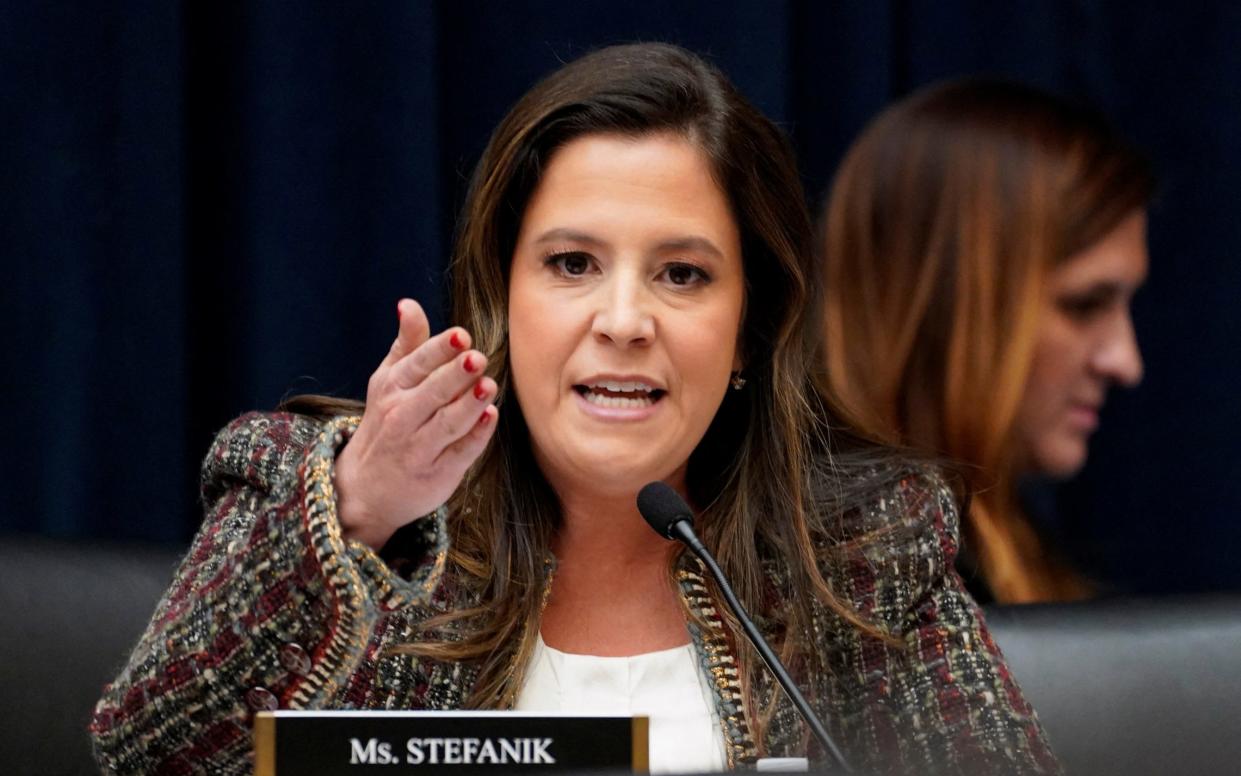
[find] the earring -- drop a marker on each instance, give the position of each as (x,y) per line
(736,381)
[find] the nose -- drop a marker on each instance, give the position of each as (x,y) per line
(624,315)
(1118,357)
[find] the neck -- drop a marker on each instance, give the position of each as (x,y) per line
(603,533)
(611,594)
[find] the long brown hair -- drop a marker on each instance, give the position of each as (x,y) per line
(943,220)
(756,458)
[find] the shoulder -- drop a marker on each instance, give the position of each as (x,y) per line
(259,449)
(882,503)
(893,534)
(912,502)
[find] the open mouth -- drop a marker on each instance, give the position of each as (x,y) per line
(620,395)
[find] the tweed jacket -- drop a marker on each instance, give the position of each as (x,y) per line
(272,608)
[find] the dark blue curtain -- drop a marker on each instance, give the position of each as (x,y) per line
(206,207)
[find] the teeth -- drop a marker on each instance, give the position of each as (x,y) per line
(617,402)
(619,387)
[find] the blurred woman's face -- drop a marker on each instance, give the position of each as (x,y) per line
(625,302)
(1085,345)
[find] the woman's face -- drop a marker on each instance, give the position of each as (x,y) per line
(1085,345)
(625,304)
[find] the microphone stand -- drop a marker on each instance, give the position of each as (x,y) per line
(684,531)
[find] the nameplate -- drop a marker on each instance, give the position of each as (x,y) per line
(328,743)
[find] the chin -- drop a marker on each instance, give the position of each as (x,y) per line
(614,471)
(1062,460)
(613,480)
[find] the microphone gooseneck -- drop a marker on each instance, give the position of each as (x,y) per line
(669,516)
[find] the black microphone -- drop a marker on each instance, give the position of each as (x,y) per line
(670,517)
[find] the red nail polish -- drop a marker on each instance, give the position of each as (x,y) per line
(470,365)
(485,418)
(455,341)
(479,390)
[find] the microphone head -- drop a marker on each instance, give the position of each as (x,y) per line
(662,507)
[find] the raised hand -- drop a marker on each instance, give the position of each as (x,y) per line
(429,414)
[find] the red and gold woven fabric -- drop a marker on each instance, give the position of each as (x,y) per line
(272,608)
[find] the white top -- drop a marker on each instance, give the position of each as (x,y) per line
(667,686)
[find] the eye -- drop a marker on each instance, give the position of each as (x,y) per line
(1085,307)
(683,274)
(570,263)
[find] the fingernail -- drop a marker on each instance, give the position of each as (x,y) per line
(485,418)
(479,391)
(455,341)
(469,364)
(398,311)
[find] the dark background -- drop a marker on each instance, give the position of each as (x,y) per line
(207,206)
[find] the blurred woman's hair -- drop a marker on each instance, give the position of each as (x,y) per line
(942,222)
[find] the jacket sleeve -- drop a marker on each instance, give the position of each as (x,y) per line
(271,608)
(936,696)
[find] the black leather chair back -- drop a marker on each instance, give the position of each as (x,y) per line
(1123,687)
(1132,686)
(69,614)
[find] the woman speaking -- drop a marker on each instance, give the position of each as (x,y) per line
(636,302)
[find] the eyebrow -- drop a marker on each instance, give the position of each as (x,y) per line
(1102,288)
(570,235)
(1107,288)
(688,243)
(1102,293)
(698,244)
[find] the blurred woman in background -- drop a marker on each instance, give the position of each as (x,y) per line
(983,242)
